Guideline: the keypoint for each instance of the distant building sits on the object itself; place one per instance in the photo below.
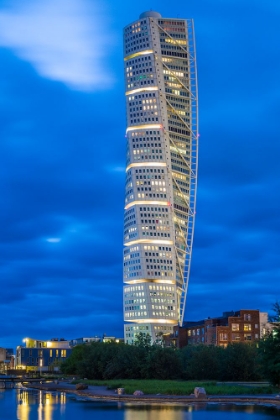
(84, 340)
(246, 325)
(7, 359)
(47, 355)
(39, 355)
(96, 339)
(265, 326)
(110, 339)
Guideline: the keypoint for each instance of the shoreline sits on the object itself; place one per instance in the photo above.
(101, 393)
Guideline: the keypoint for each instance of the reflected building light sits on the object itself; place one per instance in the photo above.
(23, 411)
(160, 413)
(63, 398)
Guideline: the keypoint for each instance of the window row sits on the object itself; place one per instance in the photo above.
(163, 235)
(135, 314)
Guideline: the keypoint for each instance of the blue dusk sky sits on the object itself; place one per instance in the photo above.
(62, 162)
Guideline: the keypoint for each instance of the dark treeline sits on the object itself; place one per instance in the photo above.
(237, 362)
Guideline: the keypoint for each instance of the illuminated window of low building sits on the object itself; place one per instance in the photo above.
(235, 327)
(235, 337)
(247, 327)
(223, 337)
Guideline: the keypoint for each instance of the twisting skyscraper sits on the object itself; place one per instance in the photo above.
(161, 171)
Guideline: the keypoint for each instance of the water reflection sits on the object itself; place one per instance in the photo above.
(200, 411)
(233, 408)
(26, 404)
(158, 412)
(45, 401)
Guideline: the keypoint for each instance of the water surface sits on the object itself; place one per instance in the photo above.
(22, 404)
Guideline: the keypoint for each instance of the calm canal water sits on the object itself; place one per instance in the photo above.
(38, 405)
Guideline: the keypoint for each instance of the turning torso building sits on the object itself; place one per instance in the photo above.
(161, 172)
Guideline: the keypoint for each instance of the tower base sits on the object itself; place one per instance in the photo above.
(156, 331)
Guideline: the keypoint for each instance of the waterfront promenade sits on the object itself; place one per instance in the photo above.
(102, 393)
(11, 381)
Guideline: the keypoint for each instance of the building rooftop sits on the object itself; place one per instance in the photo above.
(150, 13)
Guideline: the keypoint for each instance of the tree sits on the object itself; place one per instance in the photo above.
(143, 340)
(270, 349)
(239, 362)
(159, 339)
(70, 366)
(275, 319)
(162, 363)
(201, 361)
(126, 363)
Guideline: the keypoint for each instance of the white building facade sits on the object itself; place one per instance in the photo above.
(161, 172)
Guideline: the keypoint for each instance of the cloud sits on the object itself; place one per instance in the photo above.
(65, 40)
(120, 169)
(54, 160)
(62, 166)
(53, 240)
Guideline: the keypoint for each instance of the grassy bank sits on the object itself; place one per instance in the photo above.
(153, 386)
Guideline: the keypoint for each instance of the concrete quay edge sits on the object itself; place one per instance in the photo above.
(98, 393)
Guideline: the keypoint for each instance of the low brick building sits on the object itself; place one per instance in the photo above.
(232, 327)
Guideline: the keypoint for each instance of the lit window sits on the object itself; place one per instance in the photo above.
(235, 327)
(223, 337)
(247, 337)
(235, 337)
(247, 327)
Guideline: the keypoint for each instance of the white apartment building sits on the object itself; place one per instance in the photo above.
(161, 171)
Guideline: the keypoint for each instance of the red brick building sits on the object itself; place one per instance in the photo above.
(232, 327)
